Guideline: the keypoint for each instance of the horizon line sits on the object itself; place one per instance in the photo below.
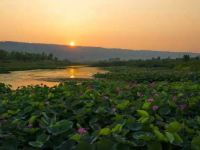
(62, 44)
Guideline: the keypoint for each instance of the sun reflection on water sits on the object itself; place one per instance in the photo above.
(48, 77)
(72, 73)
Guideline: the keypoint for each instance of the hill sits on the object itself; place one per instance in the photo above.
(82, 54)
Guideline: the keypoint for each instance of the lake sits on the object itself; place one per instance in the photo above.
(49, 77)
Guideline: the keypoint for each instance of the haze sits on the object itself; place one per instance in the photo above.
(172, 25)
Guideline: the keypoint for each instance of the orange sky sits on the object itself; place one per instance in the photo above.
(135, 24)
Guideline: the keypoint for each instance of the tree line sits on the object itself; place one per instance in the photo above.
(185, 61)
(26, 56)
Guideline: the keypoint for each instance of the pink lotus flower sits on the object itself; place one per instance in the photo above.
(82, 131)
(155, 107)
(150, 100)
(30, 126)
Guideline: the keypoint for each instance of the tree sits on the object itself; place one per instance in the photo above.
(186, 57)
(50, 56)
(3, 55)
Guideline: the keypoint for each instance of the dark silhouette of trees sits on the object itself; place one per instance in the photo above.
(186, 57)
(3, 54)
(25, 56)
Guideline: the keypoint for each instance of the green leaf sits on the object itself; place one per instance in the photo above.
(159, 135)
(177, 138)
(146, 105)
(76, 137)
(195, 144)
(43, 138)
(32, 119)
(105, 131)
(36, 144)
(170, 137)
(144, 116)
(40, 141)
(174, 127)
(60, 127)
(123, 105)
(66, 145)
(135, 126)
(146, 136)
(143, 119)
(117, 128)
(143, 113)
(164, 110)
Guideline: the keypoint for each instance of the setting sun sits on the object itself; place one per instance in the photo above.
(72, 43)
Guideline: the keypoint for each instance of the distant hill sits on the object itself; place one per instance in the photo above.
(81, 53)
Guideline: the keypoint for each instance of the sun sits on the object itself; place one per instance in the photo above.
(72, 44)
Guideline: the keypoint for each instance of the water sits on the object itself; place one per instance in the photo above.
(49, 77)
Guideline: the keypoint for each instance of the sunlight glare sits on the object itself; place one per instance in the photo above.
(72, 73)
(72, 43)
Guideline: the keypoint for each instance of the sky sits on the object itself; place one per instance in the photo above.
(172, 25)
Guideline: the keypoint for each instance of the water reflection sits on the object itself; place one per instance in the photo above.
(47, 77)
(72, 72)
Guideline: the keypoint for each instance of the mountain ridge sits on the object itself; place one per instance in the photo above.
(88, 53)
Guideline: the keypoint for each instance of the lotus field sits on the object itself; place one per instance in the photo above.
(104, 114)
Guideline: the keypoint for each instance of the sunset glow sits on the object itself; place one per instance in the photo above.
(135, 24)
(72, 43)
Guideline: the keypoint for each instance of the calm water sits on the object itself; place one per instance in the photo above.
(48, 77)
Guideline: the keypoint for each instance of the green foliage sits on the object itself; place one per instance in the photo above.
(25, 56)
(115, 113)
(196, 143)
(104, 131)
(16, 61)
(60, 127)
(174, 127)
